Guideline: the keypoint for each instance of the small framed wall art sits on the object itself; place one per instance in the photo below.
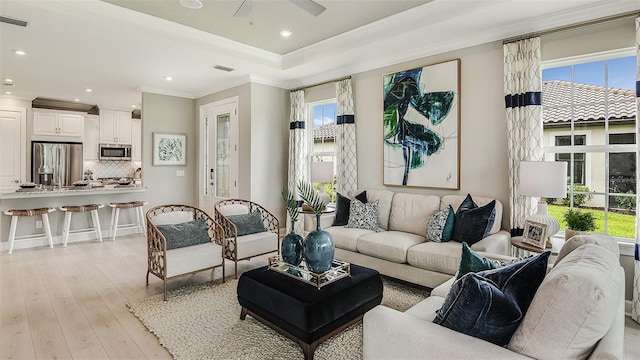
(169, 149)
(535, 233)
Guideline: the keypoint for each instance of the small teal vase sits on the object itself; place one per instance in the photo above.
(292, 247)
(318, 249)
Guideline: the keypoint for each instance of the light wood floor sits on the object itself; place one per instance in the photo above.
(71, 302)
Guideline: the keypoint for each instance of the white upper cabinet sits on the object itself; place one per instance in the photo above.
(54, 123)
(115, 127)
(136, 140)
(90, 141)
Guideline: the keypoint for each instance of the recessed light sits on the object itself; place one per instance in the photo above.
(168, 78)
(19, 52)
(191, 4)
(76, 100)
(8, 80)
(88, 90)
(8, 92)
(285, 33)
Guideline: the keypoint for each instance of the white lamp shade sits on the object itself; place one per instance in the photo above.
(322, 172)
(543, 179)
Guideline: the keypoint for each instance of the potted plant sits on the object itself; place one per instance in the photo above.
(292, 243)
(578, 222)
(318, 245)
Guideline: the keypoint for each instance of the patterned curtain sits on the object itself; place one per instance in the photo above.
(346, 159)
(635, 305)
(522, 88)
(297, 149)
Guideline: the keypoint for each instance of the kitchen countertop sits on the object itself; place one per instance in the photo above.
(71, 191)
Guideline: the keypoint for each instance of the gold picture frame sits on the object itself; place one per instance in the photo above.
(535, 233)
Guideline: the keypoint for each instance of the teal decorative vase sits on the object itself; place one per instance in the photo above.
(318, 249)
(292, 247)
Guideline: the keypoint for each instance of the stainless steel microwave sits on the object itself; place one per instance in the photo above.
(118, 152)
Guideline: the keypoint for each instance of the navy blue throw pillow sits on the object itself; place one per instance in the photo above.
(343, 204)
(185, 234)
(473, 223)
(491, 304)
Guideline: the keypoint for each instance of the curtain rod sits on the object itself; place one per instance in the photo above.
(322, 83)
(572, 27)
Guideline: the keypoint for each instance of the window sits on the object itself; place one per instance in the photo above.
(322, 121)
(589, 121)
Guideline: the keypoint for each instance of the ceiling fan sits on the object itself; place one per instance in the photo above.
(309, 6)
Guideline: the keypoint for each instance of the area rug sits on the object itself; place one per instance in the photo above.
(203, 322)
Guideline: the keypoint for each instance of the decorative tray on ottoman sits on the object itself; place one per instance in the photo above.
(339, 269)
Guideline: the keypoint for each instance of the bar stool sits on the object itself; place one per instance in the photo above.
(15, 214)
(115, 214)
(69, 210)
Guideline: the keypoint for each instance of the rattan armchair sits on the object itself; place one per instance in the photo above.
(245, 247)
(167, 264)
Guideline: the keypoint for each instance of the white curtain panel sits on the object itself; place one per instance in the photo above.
(297, 149)
(523, 96)
(346, 155)
(635, 306)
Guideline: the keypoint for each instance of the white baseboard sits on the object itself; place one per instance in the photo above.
(57, 239)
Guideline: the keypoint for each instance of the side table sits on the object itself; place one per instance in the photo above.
(518, 247)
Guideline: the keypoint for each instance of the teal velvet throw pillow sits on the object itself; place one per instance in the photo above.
(470, 261)
(246, 224)
(185, 234)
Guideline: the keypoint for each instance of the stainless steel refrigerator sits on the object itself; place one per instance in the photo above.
(55, 163)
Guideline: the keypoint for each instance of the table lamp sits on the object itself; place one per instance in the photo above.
(322, 172)
(544, 179)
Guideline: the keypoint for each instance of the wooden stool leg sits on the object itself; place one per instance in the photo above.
(96, 223)
(65, 228)
(12, 233)
(114, 222)
(47, 229)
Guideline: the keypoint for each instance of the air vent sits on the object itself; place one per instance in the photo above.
(8, 20)
(8, 84)
(223, 68)
(52, 104)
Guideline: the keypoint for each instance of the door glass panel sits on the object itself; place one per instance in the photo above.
(223, 161)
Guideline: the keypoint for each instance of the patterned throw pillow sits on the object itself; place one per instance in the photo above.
(363, 216)
(440, 225)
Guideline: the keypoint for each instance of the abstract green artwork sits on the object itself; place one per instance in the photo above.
(421, 121)
(169, 149)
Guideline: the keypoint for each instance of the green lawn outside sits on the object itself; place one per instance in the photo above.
(619, 225)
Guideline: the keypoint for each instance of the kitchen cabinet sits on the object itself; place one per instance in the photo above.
(115, 127)
(53, 123)
(136, 139)
(90, 141)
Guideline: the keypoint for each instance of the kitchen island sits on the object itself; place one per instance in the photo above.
(61, 196)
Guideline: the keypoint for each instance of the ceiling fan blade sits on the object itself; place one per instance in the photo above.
(245, 9)
(310, 6)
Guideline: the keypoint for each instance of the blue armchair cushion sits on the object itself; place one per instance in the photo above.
(246, 224)
(491, 304)
(185, 234)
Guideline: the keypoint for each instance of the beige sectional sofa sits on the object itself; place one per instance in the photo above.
(400, 249)
(576, 313)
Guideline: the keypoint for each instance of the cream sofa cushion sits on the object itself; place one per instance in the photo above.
(573, 308)
(347, 238)
(388, 245)
(456, 200)
(193, 258)
(411, 213)
(604, 240)
(439, 257)
(384, 198)
(258, 243)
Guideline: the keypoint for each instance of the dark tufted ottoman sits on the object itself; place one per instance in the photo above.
(302, 312)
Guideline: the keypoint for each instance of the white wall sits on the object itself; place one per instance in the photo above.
(172, 115)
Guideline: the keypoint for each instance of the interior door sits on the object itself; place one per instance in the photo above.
(13, 141)
(219, 165)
